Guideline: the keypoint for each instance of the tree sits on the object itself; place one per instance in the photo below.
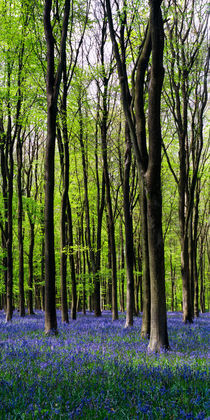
(53, 80)
(129, 248)
(186, 97)
(149, 165)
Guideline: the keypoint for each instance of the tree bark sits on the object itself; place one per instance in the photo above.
(52, 86)
(109, 206)
(146, 316)
(148, 166)
(64, 157)
(129, 250)
(9, 290)
(31, 268)
(158, 332)
(20, 227)
(72, 263)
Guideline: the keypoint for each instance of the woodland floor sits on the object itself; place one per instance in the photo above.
(96, 369)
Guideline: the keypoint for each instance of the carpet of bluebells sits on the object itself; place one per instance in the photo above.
(96, 369)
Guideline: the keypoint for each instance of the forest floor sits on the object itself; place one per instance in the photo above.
(96, 369)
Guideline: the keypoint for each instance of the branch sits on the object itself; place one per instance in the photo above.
(169, 163)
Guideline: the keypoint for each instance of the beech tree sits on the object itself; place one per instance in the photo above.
(186, 97)
(104, 191)
(53, 79)
(148, 163)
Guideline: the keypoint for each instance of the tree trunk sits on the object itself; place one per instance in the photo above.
(146, 316)
(172, 282)
(42, 262)
(109, 202)
(186, 295)
(202, 286)
(64, 157)
(96, 276)
(9, 290)
(195, 245)
(111, 230)
(4, 227)
(52, 86)
(72, 264)
(148, 166)
(20, 227)
(129, 250)
(31, 268)
(122, 268)
(158, 331)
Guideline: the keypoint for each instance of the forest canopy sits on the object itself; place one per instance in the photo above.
(104, 184)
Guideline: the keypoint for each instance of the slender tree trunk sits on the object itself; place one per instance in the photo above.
(146, 297)
(191, 263)
(31, 269)
(84, 285)
(42, 262)
(4, 227)
(109, 279)
(72, 264)
(64, 306)
(65, 175)
(9, 290)
(172, 282)
(122, 268)
(100, 211)
(138, 292)
(202, 286)
(129, 250)
(186, 295)
(20, 228)
(195, 245)
(96, 277)
(109, 203)
(83, 268)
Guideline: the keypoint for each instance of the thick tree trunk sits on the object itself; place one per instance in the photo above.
(148, 166)
(53, 86)
(158, 331)
(50, 304)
